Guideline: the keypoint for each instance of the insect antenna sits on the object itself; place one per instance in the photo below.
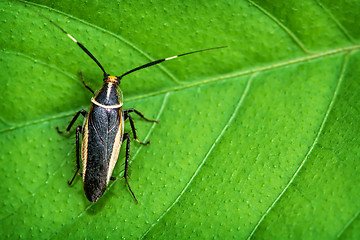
(78, 43)
(166, 59)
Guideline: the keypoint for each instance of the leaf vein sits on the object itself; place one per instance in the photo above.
(164, 69)
(250, 71)
(37, 121)
(310, 149)
(347, 225)
(287, 30)
(210, 80)
(40, 62)
(241, 100)
(337, 22)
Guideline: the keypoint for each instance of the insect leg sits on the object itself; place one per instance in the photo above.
(126, 115)
(138, 113)
(127, 137)
(82, 112)
(82, 79)
(78, 131)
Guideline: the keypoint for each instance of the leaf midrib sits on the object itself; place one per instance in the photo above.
(317, 136)
(197, 83)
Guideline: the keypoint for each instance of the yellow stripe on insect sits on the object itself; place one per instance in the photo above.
(105, 106)
(71, 37)
(170, 58)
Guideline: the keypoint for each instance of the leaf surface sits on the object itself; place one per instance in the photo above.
(257, 140)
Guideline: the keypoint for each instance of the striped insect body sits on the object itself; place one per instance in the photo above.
(103, 132)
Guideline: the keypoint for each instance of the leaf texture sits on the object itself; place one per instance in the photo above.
(259, 140)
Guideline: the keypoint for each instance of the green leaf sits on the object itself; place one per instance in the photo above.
(257, 140)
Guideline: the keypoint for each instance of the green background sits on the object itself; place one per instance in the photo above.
(258, 140)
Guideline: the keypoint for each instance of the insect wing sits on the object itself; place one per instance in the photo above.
(102, 140)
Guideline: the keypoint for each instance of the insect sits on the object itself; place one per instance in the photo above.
(102, 132)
